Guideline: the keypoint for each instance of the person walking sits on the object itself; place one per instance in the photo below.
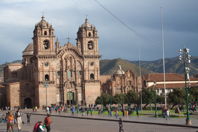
(116, 113)
(137, 111)
(48, 122)
(167, 114)
(47, 109)
(28, 115)
(72, 109)
(18, 120)
(10, 122)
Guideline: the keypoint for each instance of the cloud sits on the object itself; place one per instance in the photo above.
(18, 18)
(21, 1)
(15, 17)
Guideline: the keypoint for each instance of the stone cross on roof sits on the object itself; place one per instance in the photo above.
(120, 67)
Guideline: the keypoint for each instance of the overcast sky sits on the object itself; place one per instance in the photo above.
(141, 38)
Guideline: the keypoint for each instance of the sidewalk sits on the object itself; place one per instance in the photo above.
(180, 122)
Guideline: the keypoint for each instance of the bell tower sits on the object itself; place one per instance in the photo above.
(43, 38)
(87, 43)
(87, 39)
(45, 63)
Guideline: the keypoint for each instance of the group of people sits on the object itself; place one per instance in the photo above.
(40, 126)
(12, 119)
(74, 109)
(15, 120)
(88, 110)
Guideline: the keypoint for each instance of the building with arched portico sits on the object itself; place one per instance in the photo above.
(55, 74)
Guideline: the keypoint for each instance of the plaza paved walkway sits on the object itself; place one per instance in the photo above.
(144, 119)
(64, 123)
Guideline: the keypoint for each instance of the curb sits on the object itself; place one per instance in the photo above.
(117, 120)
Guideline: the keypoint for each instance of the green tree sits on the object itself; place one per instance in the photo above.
(148, 96)
(177, 97)
(194, 94)
(104, 99)
(131, 97)
(160, 99)
(119, 99)
(98, 100)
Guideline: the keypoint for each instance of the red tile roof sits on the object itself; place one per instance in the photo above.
(168, 77)
(180, 85)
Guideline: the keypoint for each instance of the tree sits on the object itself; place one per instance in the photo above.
(119, 99)
(131, 97)
(98, 100)
(177, 97)
(104, 99)
(148, 96)
(160, 99)
(194, 94)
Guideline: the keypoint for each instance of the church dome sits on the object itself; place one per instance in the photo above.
(28, 50)
(86, 24)
(120, 71)
(43, 23)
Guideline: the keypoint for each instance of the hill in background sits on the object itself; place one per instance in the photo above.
(172, 65)
(110, 66)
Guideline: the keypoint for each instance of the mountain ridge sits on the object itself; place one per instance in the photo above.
(110, 66)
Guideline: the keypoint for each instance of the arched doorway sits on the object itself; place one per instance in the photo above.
(71, 98)
(28, 102)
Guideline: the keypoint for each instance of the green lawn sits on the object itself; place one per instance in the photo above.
(143, 113)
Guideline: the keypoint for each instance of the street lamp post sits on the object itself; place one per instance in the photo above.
(46, 85)
(185, 58)
(63, 93)
(154, 85)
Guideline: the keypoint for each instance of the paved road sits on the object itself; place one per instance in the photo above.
(62, 124)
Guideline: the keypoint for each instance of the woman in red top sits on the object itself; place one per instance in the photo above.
(48, 122)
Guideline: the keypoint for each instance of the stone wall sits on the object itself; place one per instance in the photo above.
(13, 94)
(92, 91)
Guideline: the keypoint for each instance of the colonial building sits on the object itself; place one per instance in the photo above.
(55, 74)
(119, 82)
(122, 82)
(172, 81)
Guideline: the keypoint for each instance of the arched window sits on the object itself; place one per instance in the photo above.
(89, 34)
(31, 60)
(90, 45)
(69, 73)
(47, 77)
(92, 76)
(45, 32)
(92, 63)
(46, 44)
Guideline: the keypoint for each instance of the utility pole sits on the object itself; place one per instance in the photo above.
(185, 58)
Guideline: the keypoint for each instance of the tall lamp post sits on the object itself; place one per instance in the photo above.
(46, 85)
(185, 58)
(154, 88)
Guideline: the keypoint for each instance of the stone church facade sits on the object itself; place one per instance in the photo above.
(54, 74)
(119, 82)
